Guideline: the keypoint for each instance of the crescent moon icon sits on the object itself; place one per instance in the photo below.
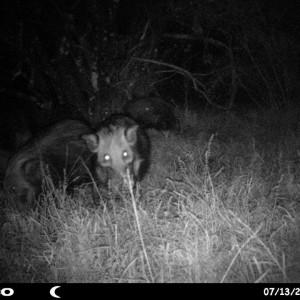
(52, 291)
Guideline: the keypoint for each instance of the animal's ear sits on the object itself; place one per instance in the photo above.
(92, 141)
(131, 134)
(32, 170)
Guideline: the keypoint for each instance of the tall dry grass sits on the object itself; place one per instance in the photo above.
(220, 204)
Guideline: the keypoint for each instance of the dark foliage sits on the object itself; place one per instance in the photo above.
(20, 118)
(152, 112)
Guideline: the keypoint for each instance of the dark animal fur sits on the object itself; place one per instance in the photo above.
(120, 145)
(58, 150)
(152, 112)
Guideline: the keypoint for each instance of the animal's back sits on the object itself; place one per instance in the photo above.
(59, 147)
(153, 112)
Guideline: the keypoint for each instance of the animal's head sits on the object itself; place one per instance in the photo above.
(115, 149)
(22, 180)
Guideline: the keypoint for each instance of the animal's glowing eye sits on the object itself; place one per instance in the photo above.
(125, 154)
(106, 157)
